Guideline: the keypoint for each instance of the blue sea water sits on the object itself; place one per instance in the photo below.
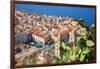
(88, 14)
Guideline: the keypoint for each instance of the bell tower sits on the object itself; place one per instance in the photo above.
(57, 44)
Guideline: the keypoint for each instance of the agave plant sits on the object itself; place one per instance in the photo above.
(67, 54)
(81, 52)
(84, 48)
(78, 54)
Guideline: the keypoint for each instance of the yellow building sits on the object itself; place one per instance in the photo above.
(41, 38)
(57, 39)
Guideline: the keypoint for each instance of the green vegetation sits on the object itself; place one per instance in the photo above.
(30, 60)
(82, 52)
(92, 28)
(81, 21)
(69, 54)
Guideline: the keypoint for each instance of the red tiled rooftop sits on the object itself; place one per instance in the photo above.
(40, 34)
(43, 35)
(76, 25)
(63, 32)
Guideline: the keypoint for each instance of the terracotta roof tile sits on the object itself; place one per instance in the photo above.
(65, 31)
